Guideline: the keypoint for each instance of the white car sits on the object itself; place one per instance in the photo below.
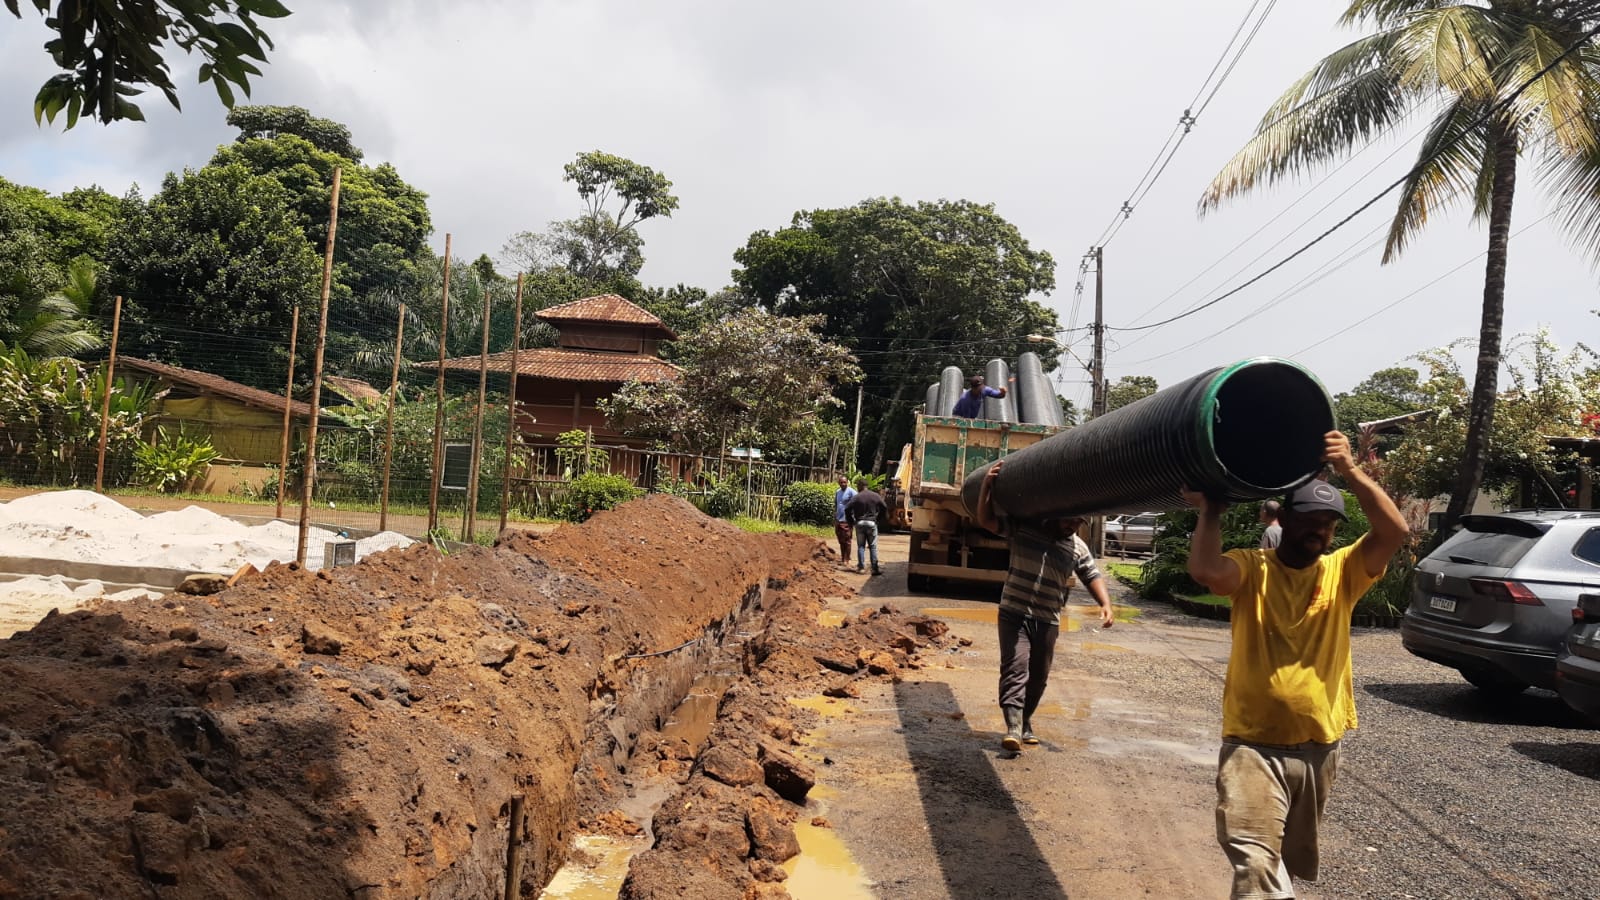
(1131, 533)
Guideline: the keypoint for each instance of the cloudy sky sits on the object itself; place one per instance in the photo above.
(1051, 111)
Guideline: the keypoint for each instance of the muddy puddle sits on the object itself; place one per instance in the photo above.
(823, 706)
(596, 869)
(825, 869)
(694, 716)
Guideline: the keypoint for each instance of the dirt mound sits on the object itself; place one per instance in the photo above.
(356, 731)
(360, 731)
(727, 831)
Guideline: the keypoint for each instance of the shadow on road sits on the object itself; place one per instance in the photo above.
(1464, 703)
(984, 847)
(1579, 759)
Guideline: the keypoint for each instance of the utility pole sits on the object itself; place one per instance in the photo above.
(1097, 371)
(1097, 366)
(855, 436)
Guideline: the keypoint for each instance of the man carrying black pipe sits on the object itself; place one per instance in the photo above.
(1288, 699)
(1044, 557)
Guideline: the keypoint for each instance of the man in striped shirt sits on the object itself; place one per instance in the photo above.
(1044, 557)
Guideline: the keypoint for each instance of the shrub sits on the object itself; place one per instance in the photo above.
(171, 463)
(808, 503)
(726, 498)
(593, 491)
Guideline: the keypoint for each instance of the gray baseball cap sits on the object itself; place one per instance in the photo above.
(1316, 496)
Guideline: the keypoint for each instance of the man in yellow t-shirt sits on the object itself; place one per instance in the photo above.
(1288, 697)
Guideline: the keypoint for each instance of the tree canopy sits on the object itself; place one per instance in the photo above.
(218, 252)
(1384, 394)
(911, 288)
(112, 50)
(752, 379)
(1129, 388)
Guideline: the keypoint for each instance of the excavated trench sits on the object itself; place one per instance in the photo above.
(361, 732)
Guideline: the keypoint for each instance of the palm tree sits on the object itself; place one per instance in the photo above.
(1500, 79)
(57, 324)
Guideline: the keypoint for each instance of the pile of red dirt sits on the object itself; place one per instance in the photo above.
(360, 731)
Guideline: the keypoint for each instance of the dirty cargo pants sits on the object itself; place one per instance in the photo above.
(1027, 648)
(842, 531)
(1269, 803)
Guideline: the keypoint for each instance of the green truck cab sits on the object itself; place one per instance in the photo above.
(945, 542)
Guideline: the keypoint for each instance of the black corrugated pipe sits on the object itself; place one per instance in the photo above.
(997, 375)
(1243, 432)
(950, 388)
(1036, 392)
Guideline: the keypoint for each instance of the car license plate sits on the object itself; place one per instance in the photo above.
(1443, 604)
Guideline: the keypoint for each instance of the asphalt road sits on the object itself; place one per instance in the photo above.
(1441, 793)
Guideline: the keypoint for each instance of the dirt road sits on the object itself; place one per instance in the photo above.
(1441, 793)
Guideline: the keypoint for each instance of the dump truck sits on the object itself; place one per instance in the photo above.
(946, 543)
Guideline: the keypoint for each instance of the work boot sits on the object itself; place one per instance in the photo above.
(860, 569)
(1028, 737)
(1013, 739)
(876, 571)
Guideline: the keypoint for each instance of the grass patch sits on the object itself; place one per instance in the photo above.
(1208, 600)
(1127, 573)
(763, 526)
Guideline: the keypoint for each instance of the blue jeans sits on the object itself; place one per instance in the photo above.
(866, 537)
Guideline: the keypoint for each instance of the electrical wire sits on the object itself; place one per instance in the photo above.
(1493, 110)
(1187, 120)
(1392, 304)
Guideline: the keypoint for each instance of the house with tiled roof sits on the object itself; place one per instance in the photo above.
(603, 343)
(244, 424)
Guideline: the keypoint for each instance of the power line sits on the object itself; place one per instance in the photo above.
(1189, 118)
(1484, 117)
(1391, 305)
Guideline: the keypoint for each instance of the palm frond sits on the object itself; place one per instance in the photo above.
(1451, 48)
(1573, 182)
(1386, 13)
(1312, 134)
(1564, 100)
(1355, 58)
(1448, 163)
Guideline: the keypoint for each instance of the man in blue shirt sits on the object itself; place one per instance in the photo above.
(970, 406)
(841, 522)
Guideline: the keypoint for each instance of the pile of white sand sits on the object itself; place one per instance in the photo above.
(24, 601)
(83, 526)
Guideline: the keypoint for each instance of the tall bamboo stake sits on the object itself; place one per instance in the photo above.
(511, 404)
(438, 408)
(288, 406)
(316, 376)
(477, 424)
(105, 402)
(388, 427)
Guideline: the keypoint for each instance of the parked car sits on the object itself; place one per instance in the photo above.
(1578, 662)
(1495, 601)
(1134, 533)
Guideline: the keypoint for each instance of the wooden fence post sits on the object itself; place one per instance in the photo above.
(288, 405)
(477, 426)
(438, 409)
(105, 402)
(388, 428)
(511, 403)
(316, 376)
